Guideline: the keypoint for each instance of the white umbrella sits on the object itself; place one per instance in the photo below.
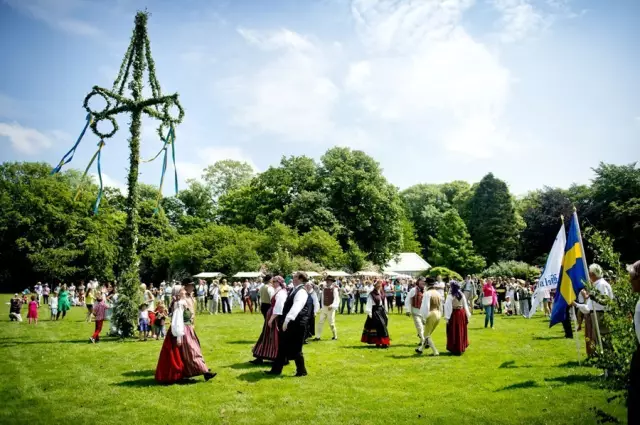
(248, 274)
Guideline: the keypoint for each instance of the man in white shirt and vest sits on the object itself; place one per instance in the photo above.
(412, 305)
(293, 323)
(330, 301)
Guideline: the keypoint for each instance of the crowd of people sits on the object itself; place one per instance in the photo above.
(425, 300)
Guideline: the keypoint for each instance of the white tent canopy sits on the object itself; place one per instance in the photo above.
(207, 275)
(407, 263)
(368, 274)
(312, 274)
(336, 273)
(250, 275)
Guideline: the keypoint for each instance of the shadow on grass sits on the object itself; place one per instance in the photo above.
(547, 338)
(570, 364)
(151, 382)
(12, 343)
(572, 379)
(257, 376)
(247, 365)
(240, 342)
(519, 386)
(511, 364)
(148, 372)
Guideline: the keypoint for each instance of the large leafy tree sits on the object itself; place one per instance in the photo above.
(616, 206)
(424, 206)
(452, 246)
(541, 211)
(364, 203)
(493, 222)
(321, 247)
(225, 176)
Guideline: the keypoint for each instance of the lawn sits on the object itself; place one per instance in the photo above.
(520, 373)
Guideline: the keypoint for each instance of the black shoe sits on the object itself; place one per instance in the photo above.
(299, 374)
(273, 372)
(335, 338)
(209, 375)
(419, 351)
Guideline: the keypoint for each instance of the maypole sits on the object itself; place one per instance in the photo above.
(138, 57)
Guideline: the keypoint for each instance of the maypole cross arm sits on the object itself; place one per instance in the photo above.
(161, 111)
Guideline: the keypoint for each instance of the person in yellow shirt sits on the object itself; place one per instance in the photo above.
(225, 290)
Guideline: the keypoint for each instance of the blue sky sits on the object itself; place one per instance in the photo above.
(536, 91)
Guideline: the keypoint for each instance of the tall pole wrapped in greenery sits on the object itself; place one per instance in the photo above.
(137, 59)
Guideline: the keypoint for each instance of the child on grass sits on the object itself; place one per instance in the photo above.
(143, 321)
(33, 310)
(53, 305)
(99, 311)
(158, 323)
(508, 306)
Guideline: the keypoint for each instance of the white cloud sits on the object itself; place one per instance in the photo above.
(57, 14)
(291, 96)
(428, 76)
(275, 40)
(520, 18)
(29, 140)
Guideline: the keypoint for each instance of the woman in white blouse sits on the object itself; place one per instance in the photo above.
(633, 399)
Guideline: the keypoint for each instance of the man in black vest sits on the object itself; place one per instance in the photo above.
(293, 322)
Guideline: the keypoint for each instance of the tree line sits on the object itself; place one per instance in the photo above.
(339, 212)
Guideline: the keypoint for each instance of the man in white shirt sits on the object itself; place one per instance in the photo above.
(594, 310)
(469, 291)
(330, 300)
(293, 322)
(440, 287)
(633, 398)
(412, 305)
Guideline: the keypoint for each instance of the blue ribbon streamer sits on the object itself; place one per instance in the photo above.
(99, 198)
(173, 154)
(66, 158)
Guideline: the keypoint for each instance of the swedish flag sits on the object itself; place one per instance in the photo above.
(574, 273)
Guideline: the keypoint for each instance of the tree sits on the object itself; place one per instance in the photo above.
(322, 248)
(493, 223)
(409, 239)
(225, 176)
(458, 193)
(616, 206)
(452, 246)
(541, 211)
(355, 258)
(424, 205)
(197, 202)
(364, 203)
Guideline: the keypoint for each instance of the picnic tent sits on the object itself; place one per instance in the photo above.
(208, 275)
(336, 273)
(368, 274)
(407, 263)
(248, 275)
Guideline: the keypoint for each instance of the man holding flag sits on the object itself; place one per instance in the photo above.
(573, 277)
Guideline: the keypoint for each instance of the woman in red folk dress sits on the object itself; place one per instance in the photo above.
(457, 314)
(267, 346)
(181, 355)
(375, 327)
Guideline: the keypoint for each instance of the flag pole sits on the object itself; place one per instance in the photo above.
(574, 316)
(593, 314)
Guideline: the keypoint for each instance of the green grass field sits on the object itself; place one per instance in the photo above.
(520, 373)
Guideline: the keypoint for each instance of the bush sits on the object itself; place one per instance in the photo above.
(444, 272)
(517, 269)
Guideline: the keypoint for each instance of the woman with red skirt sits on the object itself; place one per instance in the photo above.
(181, 355)
(267, 346)
(457, 314)
(375, 327)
